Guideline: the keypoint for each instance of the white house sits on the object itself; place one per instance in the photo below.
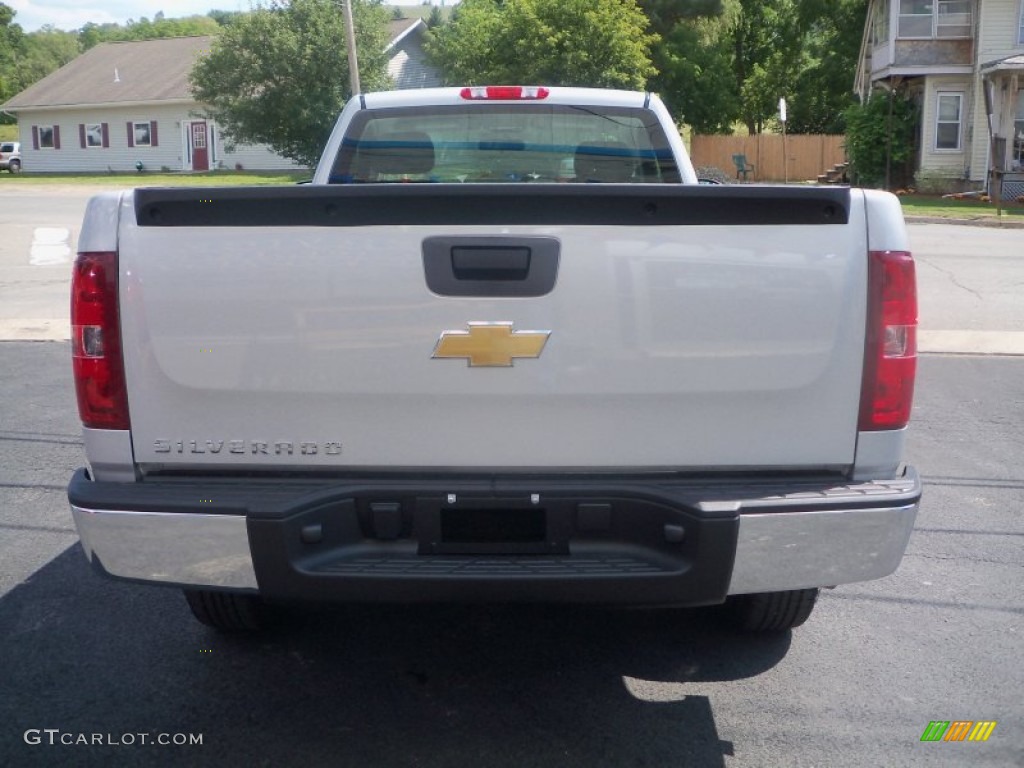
(407, 62)
(963, 62)
(122, 104)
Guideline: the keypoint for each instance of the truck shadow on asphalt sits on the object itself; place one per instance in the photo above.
(360, 685)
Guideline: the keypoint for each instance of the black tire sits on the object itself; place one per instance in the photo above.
(227, 611)
(14, 166)
(771, 611)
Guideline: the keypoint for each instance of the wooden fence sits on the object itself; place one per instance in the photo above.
(808, 156)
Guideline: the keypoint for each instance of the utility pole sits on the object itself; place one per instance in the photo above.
(350, 43)
(782, 119)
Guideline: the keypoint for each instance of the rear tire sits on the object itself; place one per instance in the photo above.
(227, 611)
(771, 611)
(14, 166)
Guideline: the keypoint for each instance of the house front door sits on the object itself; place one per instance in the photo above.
(200, 151)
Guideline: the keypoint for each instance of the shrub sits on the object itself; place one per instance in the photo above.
(874, 135)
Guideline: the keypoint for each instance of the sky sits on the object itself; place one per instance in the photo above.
(72, 14)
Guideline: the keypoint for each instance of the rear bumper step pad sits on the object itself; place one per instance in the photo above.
(647, 540)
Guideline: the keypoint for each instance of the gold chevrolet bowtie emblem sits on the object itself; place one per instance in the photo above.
(490, 344)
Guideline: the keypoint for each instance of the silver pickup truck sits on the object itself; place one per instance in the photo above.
(503, 348)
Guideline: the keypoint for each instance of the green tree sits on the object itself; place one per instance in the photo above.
(880, 139)
(768, 55)
(91, 34)
(436, 18)
(664, 15)
(11, 49)
(26, 58)
(555, 42)
(695, 75)
(44, 51)
(824, 88)
(805, 50)
(144, 29)
(279, 75)
(224, 18)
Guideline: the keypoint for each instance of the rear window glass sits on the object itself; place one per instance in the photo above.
(507, 143)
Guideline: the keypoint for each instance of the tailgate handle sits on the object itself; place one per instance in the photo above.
(491, 266)
(477, 262)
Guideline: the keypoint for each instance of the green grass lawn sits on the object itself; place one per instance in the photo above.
(147, 179)
(933, 205)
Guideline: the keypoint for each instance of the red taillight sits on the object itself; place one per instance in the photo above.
(890, 360)
(505, 92)
(96, 343)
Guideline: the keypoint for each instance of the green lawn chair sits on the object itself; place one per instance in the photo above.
(742, 166)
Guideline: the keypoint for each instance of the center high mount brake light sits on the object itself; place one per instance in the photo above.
(505, 93)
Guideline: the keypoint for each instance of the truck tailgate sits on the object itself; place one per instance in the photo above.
(689, 328)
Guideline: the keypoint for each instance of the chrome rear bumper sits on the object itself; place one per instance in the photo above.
(784, 541)
(169, 548)
(796, 550)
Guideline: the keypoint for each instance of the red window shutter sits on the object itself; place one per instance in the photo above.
(152, 133)
(35, 137)
(56, 137)
(81, 135)
(106, 135)
(131, 135)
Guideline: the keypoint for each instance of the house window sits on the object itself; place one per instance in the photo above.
(928, 19)
(915, 18)
(142, 134)
(880, 24)
(143, 137)
(954, 19)
(947, 121)
(46, 137)
(1020, 27)
(94, 135)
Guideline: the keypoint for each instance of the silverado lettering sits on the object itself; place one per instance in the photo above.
(246, 447)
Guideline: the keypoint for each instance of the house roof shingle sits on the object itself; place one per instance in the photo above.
(122, 72)
(138, 71)
(399, 28)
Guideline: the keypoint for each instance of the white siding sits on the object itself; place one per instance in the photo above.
(71, 158)
(1000, 22)
(251, 157)
(408, 65)
(978, 157)
(998, 39)
(943, 162)
(119, 156)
